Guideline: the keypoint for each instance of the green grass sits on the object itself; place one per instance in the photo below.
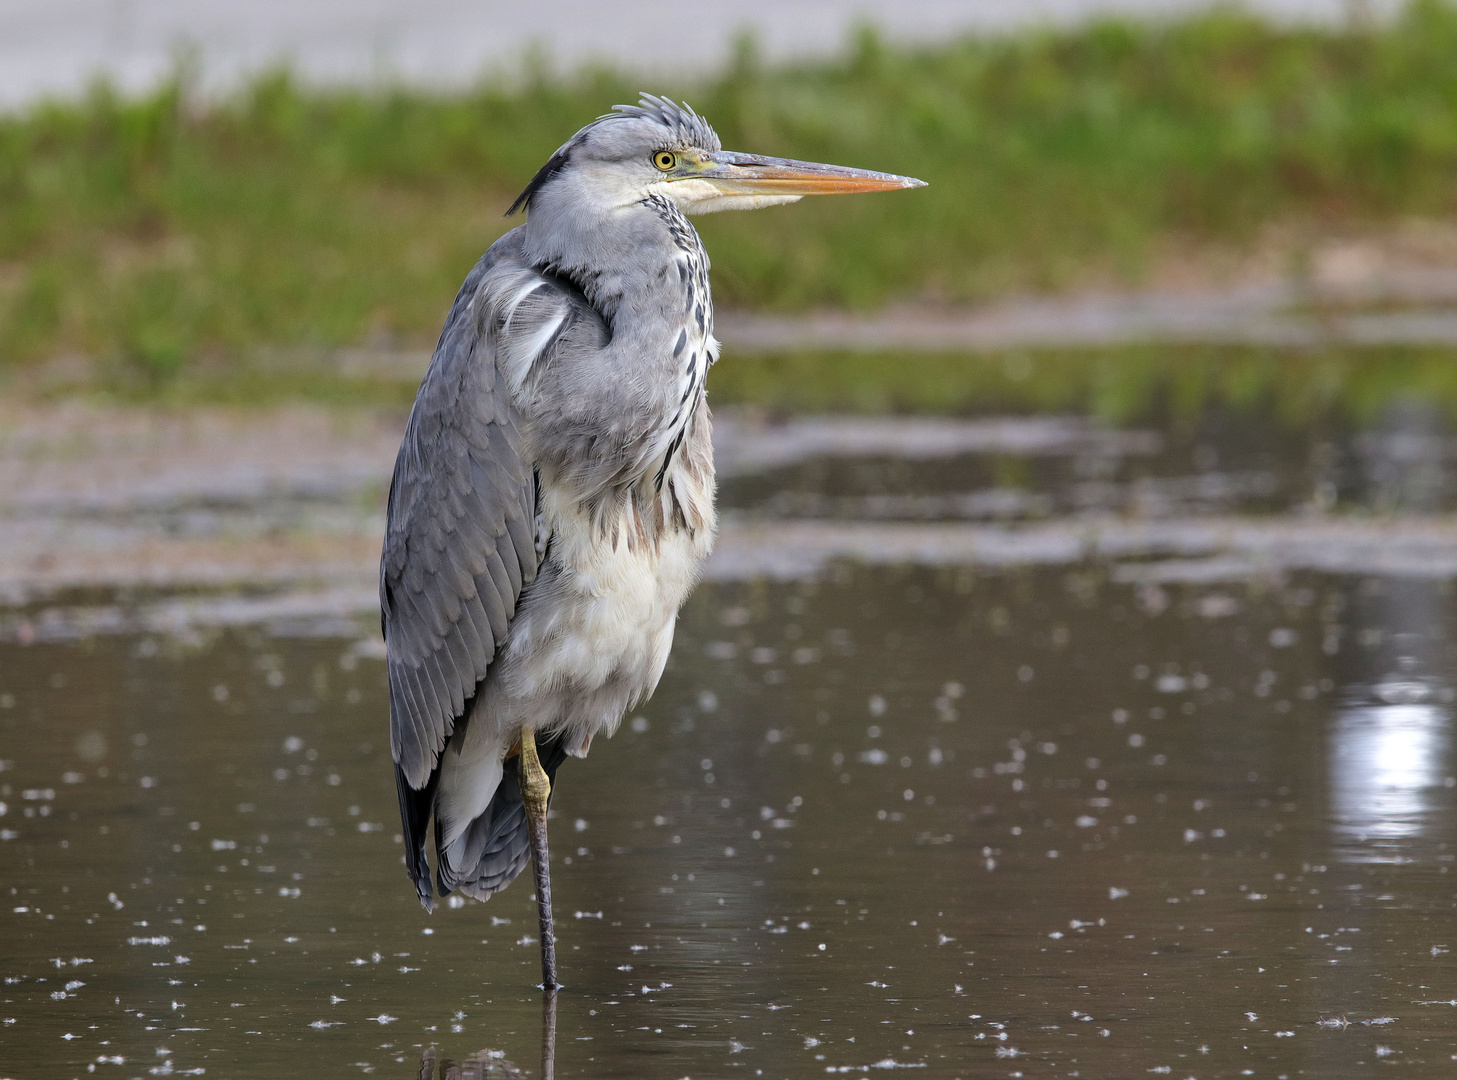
(159, 234)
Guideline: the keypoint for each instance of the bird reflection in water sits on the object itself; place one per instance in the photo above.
(491, 1064)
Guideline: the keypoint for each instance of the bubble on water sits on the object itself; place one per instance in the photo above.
(1217, 606)
(91, 747)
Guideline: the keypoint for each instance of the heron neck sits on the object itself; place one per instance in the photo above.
(619, 256)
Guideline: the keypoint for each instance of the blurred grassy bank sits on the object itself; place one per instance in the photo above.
(161, 236)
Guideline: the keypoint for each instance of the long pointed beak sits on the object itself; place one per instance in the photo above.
(751, 174)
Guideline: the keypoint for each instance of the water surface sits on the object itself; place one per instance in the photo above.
(974, 821)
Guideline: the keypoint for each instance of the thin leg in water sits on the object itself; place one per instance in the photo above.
(535, 790)
(548, 1035)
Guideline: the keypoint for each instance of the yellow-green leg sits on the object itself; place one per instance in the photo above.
(535, 790)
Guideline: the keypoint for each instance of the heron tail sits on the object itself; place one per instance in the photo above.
(495, 846)
(415, 808)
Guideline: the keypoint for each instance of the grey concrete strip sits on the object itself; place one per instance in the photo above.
(74, 459)
(744, 443)
(1190, 549)
(55, 47)
(36, 562)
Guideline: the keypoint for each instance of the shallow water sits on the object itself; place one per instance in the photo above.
(1033, 822)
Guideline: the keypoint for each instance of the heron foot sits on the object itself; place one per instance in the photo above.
(535, 792)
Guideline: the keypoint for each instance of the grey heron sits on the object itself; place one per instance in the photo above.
(553, 498)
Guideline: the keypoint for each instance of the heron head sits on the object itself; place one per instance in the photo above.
(660, 147)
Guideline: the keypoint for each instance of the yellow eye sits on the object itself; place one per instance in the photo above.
(665, 159)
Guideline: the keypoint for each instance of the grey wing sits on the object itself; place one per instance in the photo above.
(460, 542)
(460, 539)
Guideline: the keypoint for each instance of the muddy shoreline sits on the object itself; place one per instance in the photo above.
(224, 516)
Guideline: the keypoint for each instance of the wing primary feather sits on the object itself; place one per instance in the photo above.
(479, 652)
(428, 714)
(491, 586)
(435, 679)
(416, 806)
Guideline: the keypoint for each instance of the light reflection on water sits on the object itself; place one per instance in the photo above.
(1387, 761)
(1389, 752)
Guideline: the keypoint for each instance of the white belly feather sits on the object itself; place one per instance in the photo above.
(589, 641)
